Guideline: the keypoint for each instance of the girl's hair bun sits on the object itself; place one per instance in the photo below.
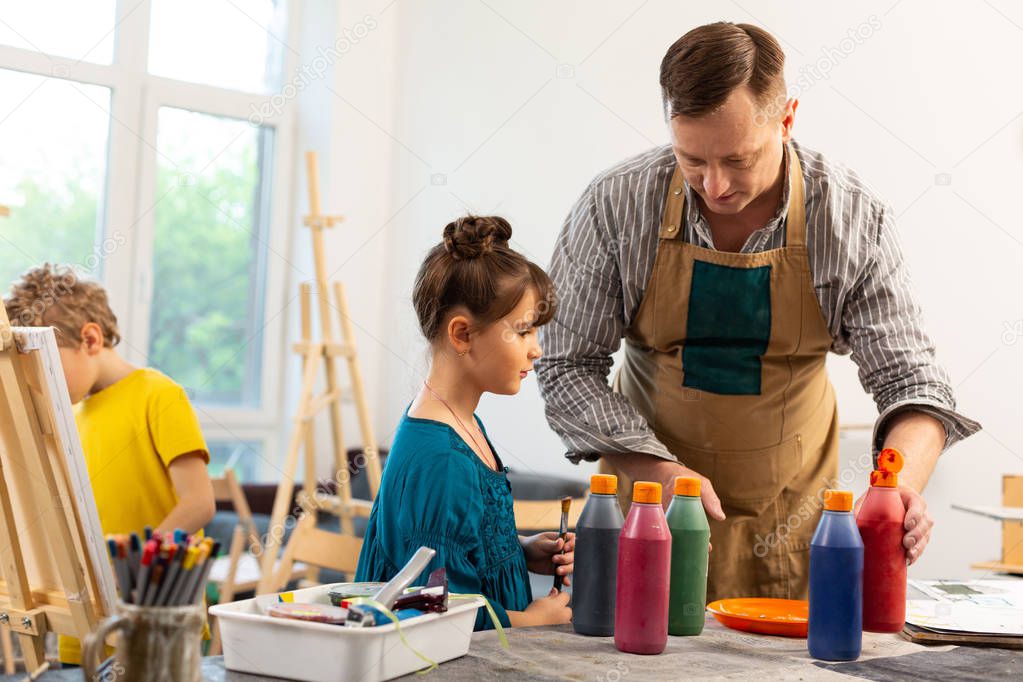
(475, 236)
(474, 270)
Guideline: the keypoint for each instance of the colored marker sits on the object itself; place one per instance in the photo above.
(202, 551)
(154, 582)
(201, 587)
(184, 577)
(119, 569)
(159, 570)
(134, 550)
(173, 568)
(123, 561)
(145, 567)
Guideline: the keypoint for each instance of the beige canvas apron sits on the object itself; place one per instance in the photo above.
(725, 360)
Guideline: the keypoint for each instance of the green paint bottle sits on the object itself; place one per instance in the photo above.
(690, 535)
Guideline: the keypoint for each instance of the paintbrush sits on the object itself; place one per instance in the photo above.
(566, 503)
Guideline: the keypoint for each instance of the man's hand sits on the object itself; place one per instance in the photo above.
(918, 523)
(640, 467)
(920, 438)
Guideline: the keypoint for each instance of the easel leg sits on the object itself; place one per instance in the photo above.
(287, 484)
(343, 474)
(305, 299)
(309, 488)
(8, 647)
(369, 440)
(32, 651)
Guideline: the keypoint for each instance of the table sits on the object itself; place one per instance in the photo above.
(556, 653)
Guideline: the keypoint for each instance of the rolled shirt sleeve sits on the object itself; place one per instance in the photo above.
(578, 343)
(882, 328)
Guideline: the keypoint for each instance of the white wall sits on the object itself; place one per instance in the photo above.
(511, 107)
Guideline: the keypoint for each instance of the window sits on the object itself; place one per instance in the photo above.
(131, 150)
(53, 172)
(207, 316)
(187, 39)
(80, 30)
(244, 456)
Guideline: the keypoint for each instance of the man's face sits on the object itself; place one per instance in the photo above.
(732, 155)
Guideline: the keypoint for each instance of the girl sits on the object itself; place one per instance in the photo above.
(479, 304)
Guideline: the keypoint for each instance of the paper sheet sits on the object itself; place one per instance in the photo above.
(990, 607)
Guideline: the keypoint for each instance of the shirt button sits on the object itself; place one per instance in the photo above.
(672, 228)
(678, 190)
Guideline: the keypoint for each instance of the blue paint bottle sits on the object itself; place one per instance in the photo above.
(836, 583)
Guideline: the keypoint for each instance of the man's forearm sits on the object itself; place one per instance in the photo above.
(920, 438)
(637, 464)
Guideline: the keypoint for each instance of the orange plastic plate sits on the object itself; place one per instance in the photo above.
(782, 617)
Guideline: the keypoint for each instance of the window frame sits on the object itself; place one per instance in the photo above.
(136, 97)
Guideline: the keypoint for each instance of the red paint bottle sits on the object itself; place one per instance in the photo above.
(644, 570)
(881, 522)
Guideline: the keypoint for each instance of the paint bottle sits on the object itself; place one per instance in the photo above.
(596, 559)
(690, 535)
(881, 519)
(644, 567)
(836, 582)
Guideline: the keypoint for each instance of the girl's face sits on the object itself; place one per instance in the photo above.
(503, 353)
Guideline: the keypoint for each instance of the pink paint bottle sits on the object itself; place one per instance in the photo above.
(644, 568)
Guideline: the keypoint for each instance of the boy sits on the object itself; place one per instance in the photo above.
(143, 447)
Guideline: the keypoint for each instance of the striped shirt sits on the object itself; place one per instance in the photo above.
(604, 258)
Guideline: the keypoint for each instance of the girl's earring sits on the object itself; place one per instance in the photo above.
(462, 354)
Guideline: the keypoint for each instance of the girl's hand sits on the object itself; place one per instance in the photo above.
(550, 610)
(543, 554)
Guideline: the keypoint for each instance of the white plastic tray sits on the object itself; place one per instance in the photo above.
(316, 652)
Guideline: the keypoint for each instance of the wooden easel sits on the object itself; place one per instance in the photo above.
(56, 574)
(316, 352)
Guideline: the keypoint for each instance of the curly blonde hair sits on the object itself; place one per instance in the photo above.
(54, 296)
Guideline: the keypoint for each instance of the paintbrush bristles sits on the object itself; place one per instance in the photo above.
(566, 504)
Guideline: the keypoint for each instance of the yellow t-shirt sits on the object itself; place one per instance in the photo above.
(131, 431)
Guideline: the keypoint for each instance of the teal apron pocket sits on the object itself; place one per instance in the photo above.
(728, 329)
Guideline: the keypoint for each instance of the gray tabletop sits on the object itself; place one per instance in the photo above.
(557, 653)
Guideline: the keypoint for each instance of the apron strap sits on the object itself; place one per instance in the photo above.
(795, 219)
(673, 220)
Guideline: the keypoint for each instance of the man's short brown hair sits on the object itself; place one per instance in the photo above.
(54, 296)
(703, 67)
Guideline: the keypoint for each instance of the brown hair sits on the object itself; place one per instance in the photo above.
(702, 68)
(54, 296)
(473, 267)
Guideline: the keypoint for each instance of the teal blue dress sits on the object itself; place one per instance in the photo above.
(436, 492)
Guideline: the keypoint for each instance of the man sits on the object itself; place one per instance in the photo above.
(731, 261)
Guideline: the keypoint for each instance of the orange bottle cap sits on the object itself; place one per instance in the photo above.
(645, 492)
(688, 486)
(838, 500)
(890, 460)
(603, 484)
(884, 479)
